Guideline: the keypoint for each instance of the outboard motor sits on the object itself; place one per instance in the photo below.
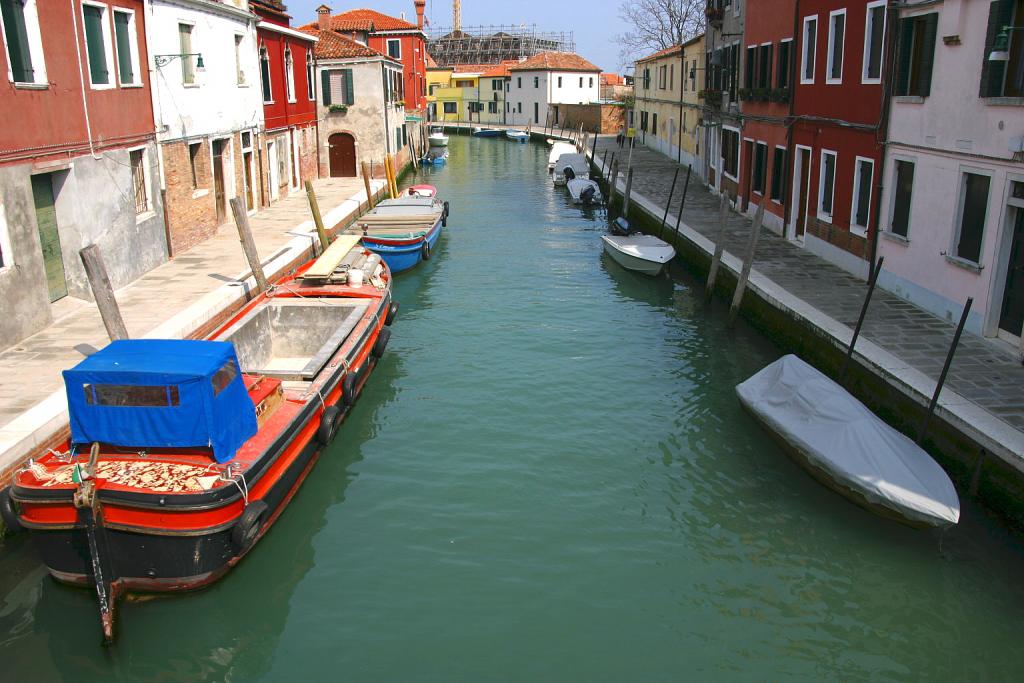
(621, 226)
(569, 173)
(587, 196)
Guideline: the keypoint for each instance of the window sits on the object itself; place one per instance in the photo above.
(973, 209)
(268, 95)
(289, 74)
(22, 40)
(810, 40)
(128, 72)
(520, 105)
(520, 82)
(188, 73)
(97, 44)
(137, 159)
(193, 161)
(903, 189)
(337, 87)
(730, 152)
(874, 42)
(785, 63)
(647, 78)
(496, 84)
(826, 185)
(581, 81)
(662, 78)
(836, 46)
(536, 81)
(224, 377)
(654, 123)
(693, 75)
(592, 79)
(239, 72)
(451, 108)
(395, 48)
(916, 54)
(1004, 79)
(751, 70)
(492, 107)
(130, 395)
(733, 70)
(464, 83)
(779, 174)
(559, 81)
(536, 112)
(863, 175)
(310, 80)
(760, 167)
(764, 66)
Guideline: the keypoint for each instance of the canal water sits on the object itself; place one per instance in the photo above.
(549, 478)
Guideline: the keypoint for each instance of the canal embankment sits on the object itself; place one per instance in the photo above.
(810, 307)
(185, 297)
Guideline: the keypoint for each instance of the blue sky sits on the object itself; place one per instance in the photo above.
(594, 23)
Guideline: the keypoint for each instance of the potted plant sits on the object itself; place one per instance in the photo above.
(744, 94)
(780, 95)
(760, 94)
(714, 13)
(338, 108)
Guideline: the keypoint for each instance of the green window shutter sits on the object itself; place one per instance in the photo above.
(1000, 14)
(122, 29)
(13, 12)
(98, 72)
(905, 55)
(325, 87)
(349, 92)
(931, 24)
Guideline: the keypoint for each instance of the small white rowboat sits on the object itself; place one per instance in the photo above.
(642, 253)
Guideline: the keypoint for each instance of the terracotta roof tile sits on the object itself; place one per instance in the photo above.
(661, 53)
(366, 20)
(555, 61)
(499, 70)
(336, 46)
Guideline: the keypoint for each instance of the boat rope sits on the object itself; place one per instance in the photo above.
(229, 474)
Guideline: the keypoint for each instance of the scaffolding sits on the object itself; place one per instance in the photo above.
(494, 44)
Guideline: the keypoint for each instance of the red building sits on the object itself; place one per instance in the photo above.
(78, 162)
(389, 36)
(288, 79)
(765, 96)
(836, 155)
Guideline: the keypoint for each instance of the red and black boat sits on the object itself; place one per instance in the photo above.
(183, 453)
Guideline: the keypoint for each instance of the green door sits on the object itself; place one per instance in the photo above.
(49, 239)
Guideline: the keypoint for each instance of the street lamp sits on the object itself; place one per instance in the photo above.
(1001, 48)
(164, 60)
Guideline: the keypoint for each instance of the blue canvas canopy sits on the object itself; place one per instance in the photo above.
(153, 393)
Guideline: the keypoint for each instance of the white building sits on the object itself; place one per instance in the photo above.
(952, 207)
(208, 108)
(550, 78)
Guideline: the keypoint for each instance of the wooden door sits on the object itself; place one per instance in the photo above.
(1011, 318)
(342, 155)
(250, 199)
(49, 236)
(218, 180)
(805, 179)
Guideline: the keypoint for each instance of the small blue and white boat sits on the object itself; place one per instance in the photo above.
(403, 231)
(518, 135)
(486, 132)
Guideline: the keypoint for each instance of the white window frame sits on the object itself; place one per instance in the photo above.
(133, 45)
(822, 216)
(958, 217)
(195, 70)
(855, 227)
(108, 47)
(867, 43)
(289, 75)
(387, 47)
(241, 78)
(768, 186)
(310, 75)
(145, 215)
(5, 243)
(753, 163)
(739, 154)
(260, 52)
(35, 48)
(714, 145)
(803, 53)
(775, 60)
(891, 208)
(829, 79)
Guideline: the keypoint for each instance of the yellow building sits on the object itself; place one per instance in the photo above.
(468, 92)
(667, 110)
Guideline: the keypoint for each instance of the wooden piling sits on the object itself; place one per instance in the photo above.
(248, 244)
(716, 260)
(366, 184)
(682, 203)
(593, 148)
(668, 204)
(613, 178)
(314, 208)
(629, 192)
(748, 262)
(103, 292)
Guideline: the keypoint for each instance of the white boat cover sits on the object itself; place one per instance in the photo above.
(644, 247)
(837, 434)
(577, 186)
(557, 150)
(577, 162)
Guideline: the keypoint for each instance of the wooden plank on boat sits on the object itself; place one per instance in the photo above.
(397, 220)
(329, 260)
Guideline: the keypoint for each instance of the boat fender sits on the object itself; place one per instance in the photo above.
(328, 424)
(444, 215)
(392, 313)
(348, 388)
(247, 528)
(382, 342)
(9, 513)
(425, 251)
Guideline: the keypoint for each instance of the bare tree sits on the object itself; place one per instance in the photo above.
(658, 24)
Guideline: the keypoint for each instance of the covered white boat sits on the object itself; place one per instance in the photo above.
(642, 253)
(557, 150)
(570, 166)
(847, 447)
(584, 191)
(518, 135)
(437, 138)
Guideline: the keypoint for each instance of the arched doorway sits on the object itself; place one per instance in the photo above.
(342, 155)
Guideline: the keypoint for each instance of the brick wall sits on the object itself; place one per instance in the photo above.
(596, 118)
(190, 211)
(838, 237)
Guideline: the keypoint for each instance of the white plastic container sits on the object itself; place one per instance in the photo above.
(355, 278)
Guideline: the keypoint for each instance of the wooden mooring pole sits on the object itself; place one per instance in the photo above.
(593, 148)
(945, 371)
(612, 180)
(314, 208)
(860, 320)
(366, 183)
(748, 263)
(716, 260)
(629, 192)
(103, 292)
(672, 191)
(248, 244)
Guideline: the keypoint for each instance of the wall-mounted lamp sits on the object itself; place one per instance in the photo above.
(1001, 48)
(164, 60)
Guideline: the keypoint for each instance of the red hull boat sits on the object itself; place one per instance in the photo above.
(130, 504)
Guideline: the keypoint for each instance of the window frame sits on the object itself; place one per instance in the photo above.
(855, 227)
(108, 48)
(864, 78)
(822, 216)
(242, 81)
(191, 37)
(830, 55)
(953, 252)
(310, 76)
(266, 81)
(35, 49)
(739, 153)
(6, 255)
(779, 174)
(150, 211)
(787, 72)
(454, 110)
(387, 47)
(897, 159)
(133, 47)
(804, 44)
(289, 75)
(764, 169)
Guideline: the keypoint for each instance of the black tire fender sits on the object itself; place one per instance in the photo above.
(247, 527)
(9, 513)
(425, 251)
(382, 342)
(348, 389)
(392, 313)
(444, 215)
(328, 424)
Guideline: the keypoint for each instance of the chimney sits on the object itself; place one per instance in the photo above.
(421, 6)
(323, 18)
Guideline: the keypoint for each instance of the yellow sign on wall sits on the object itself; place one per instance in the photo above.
(631, 133)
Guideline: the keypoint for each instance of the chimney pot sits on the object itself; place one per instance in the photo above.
(323, 17)
(421, 6)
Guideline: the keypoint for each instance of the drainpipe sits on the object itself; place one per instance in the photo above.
(891, 33)
(81, 75)
(787, 211)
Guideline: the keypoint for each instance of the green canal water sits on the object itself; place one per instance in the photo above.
(548, 478)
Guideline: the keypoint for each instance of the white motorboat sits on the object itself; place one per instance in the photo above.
(584, 191)
(557, 150)
(848, 448)
(517, 135)
(570, 166)
(437, 138)
(643, 253)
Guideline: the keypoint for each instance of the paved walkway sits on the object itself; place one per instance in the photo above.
(984, 371)
(172, 300)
